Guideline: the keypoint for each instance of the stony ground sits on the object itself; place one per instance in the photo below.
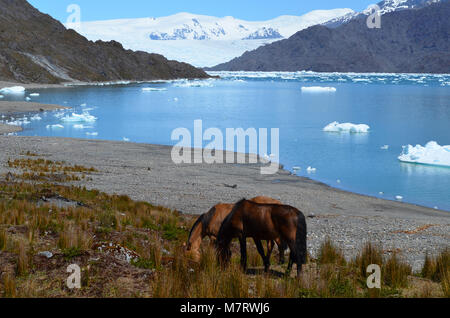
(146, 172)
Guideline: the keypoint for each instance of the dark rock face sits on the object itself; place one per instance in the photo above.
(36, 48)
(409, 41)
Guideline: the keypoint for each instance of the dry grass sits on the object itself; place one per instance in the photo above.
(86, 219)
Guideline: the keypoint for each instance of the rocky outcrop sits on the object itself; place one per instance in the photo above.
(35, 48)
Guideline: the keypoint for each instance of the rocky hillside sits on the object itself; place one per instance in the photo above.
(36, 48)
(409, 41)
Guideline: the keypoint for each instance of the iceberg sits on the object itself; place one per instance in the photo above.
(34, 94)
(57, 126)
(36, 117)
(194, 84)
(13, 90)
(311, 170)
(81, 126)
(318, 89)
(347, 127)
(78, 118)
(153, 89)
(431, 154)
(92, 133)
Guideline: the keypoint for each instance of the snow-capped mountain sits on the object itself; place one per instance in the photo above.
(202, 40)
(386, 6)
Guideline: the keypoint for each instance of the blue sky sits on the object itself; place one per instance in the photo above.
(243, 9)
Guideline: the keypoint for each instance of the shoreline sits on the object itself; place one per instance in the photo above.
(145, 172)
(8, 108)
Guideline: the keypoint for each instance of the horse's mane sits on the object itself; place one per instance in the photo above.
(200, 219)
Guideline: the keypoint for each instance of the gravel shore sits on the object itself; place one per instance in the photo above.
(146, 172)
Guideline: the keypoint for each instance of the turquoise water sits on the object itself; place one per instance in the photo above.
(400, 109)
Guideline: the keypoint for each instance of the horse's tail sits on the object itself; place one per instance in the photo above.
(301, 239)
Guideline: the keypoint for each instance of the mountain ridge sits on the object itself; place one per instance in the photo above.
(409, 41)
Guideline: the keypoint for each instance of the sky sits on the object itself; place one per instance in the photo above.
(253, 10)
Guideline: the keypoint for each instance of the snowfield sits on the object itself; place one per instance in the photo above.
(431, 154)
(199, 39)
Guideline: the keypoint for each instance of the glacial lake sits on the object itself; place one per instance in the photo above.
(400, 110)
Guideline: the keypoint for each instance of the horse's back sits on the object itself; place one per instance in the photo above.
(265, 200)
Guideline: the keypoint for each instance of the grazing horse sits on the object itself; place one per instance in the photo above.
(263, 222)
(208, 225)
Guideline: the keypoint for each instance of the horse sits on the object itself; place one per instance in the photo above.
(263, 222)
(208, 225)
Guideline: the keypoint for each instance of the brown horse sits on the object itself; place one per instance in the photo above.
(208, 225)
(263, 222)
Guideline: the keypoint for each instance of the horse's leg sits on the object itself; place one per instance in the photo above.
(292, 257)
(243, 242)
(282, 247)
(266, 261)
(270, 246)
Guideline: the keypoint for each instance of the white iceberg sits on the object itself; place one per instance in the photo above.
(126, 139)
(431, 154)
(35, 94)
(198, 83)
(153, 89)
(311, 170)
(36, 117)
(346, 127)
(57, 126)
(318, 89)
(92, 133)
(13, 90)
(78, 118)
(385, 147)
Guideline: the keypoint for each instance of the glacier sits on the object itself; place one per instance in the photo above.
(201, 40)
(346, 127)
(431, 154)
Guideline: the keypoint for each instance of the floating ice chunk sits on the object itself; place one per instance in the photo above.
(381, 193)
(13, 90)
(385, 147)
(83, 105)
(153, 89)
(126, 139)
(27, 99)
(311, 170)
(57, 126)
(92, 133)
(296, 168)
(1, 96)
(318, 89)
(194, 84)
(431, 154)
(81, 126)
(176, 99)
(34, 94)
(338, 181)
(77, 118)
(399, 198)
(347, 127)
(36, 117)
